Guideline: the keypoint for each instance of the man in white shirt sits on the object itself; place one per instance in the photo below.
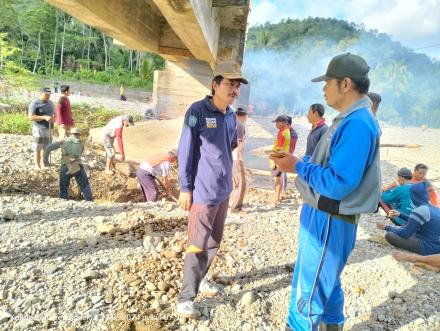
(113, 130)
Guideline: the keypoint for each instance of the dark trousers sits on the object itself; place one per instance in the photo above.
(411, 244)
(81, 180)
(205, 233)
(148, 185)
(239, 185)
(49, 149)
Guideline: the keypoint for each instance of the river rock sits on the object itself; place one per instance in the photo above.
(8, 215)
(246, 299)
(151, 241)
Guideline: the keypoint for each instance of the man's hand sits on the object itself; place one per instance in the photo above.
(47, 118)
(393, 213)
(286, 163)
(185, 200)
(380, 226)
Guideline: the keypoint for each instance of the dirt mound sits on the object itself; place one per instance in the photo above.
(146, 139)
(113, 188)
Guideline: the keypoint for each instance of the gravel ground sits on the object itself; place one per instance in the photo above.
(75, 265)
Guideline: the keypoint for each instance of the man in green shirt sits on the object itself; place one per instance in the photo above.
(72, 148)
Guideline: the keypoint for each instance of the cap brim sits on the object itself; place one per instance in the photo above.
(240, 78)
(320, 79)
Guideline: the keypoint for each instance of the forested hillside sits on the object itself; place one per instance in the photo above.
(281, 59)
(38, 38)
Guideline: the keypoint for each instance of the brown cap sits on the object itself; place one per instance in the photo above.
(229, 70)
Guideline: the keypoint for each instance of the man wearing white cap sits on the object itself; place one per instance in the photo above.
(113, 130)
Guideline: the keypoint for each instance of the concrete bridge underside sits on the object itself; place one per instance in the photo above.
(192, 35)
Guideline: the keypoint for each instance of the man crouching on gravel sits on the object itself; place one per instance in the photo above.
(339, 182)
(208, 137)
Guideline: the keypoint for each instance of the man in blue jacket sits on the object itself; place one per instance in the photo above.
(208, 137)
(340, 181)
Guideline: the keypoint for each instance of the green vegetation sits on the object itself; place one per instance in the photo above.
(86, 117)
(40, 39)
(281, 59)
(17, 123)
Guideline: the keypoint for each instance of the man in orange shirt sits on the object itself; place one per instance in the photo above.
(419, 175)
(281, 144)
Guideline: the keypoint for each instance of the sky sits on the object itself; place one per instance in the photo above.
(414, 23)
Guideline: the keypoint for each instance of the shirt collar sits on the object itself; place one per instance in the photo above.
(210, 106)
(321, 122)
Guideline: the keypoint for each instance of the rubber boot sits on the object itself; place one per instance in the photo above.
(331, 327)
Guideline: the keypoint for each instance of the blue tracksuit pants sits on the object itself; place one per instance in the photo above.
(325, 243)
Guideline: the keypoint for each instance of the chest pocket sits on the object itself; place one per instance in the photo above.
(212, 128)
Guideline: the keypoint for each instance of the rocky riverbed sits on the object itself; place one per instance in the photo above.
(112, 265)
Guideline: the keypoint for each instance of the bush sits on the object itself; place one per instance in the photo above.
(17, 123)
(102, 77)
(17, 106)
(99, 117)
(86, 117)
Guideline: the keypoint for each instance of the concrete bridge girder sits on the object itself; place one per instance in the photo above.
(192, 34)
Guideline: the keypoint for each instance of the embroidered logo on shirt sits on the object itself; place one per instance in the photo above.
(192, 121)
(211, 122)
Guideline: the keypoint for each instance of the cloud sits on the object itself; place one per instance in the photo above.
(265, 11)
(414, 23)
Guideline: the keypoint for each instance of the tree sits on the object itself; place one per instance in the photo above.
(6, 50)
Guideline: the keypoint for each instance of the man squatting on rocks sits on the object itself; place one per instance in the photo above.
(205, 177)
(397, 197)
(158, 165)
(41, 113)
(238, 171)
(421, 232)
(419, 175)
(112, 130)
(335, 193)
